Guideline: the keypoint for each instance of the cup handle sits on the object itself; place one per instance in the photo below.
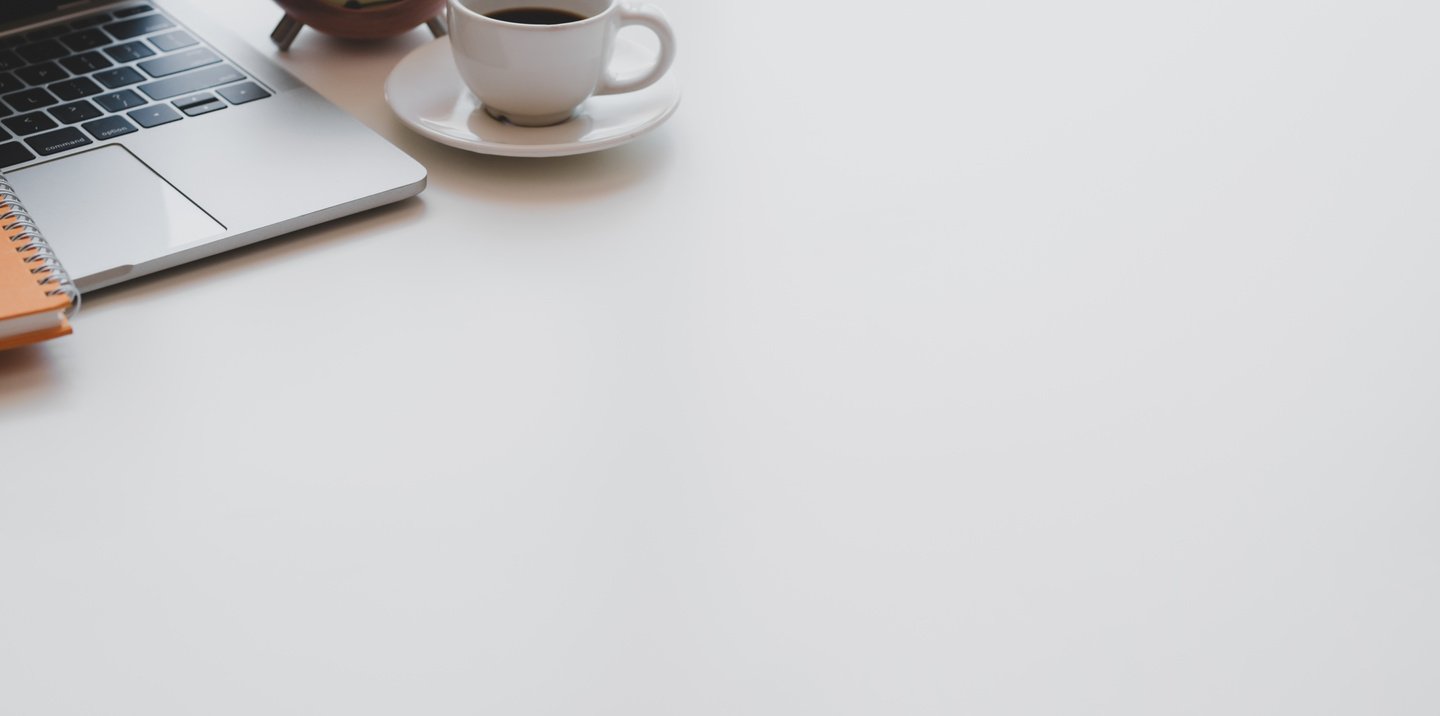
(648, 17)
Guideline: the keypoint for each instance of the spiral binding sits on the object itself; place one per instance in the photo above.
(47, 269)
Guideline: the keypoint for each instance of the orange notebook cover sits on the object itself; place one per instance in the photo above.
(37, 297)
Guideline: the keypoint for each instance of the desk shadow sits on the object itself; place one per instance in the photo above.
(32, 372)
(254, 256)
(313, 47)
(530, 180)
(26, 372)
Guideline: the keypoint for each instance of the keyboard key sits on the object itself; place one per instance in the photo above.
(138, 9)
(193, 99)
(91, 21)
(42, 51)
(205, 108)
(74, 89)
(86, 63)
(46, 33)
(118, 101)
(10, 60)
(129, 52)
(12, 153)
(192, 82)
(154, 115)
(243, 92)
(178, 62)
(8, 83)
(173, 40)
(29, 123)
(57, 141)
(75, 112)
(137, 27)
(41, 74)
(30, 99)
(109, 127)
(4, 134)
(85, 40)
(118, 77)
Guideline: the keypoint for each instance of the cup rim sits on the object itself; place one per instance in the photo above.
(458, 4)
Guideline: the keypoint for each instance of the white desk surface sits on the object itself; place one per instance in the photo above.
(994, 358)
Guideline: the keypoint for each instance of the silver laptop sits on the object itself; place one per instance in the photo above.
(141, 135)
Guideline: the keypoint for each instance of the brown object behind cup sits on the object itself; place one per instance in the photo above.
(369, 23)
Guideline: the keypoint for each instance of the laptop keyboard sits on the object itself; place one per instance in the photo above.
(106, 75)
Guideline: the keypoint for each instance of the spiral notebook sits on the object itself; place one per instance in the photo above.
(37, 297)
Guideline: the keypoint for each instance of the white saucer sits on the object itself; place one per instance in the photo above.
(426, 92)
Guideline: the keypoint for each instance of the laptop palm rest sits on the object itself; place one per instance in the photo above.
(105, 210)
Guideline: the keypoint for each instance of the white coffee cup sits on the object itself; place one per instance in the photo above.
(535, 75)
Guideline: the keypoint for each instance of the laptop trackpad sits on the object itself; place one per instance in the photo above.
(105, 208)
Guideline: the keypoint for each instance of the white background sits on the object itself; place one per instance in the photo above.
(1021, 357)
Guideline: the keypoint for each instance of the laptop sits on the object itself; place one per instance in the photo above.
(142, 135)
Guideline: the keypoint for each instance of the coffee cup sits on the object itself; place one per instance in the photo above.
(533, 62)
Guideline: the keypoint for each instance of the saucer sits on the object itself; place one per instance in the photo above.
(426, 92)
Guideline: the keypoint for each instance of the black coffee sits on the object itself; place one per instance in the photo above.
(535, 16)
